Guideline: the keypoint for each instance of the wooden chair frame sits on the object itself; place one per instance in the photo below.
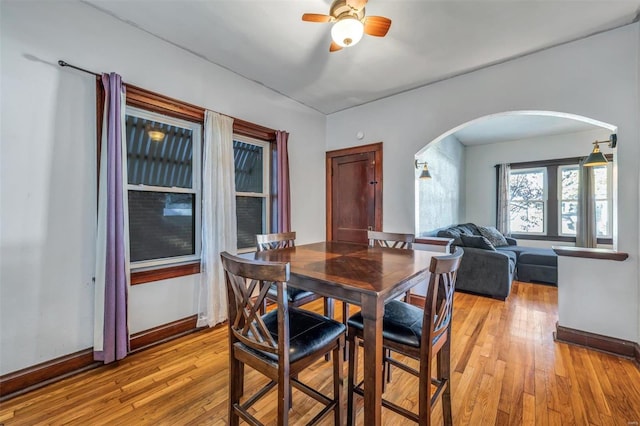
(283, 240)
(389, 240)
(248, 334)
(435, 341)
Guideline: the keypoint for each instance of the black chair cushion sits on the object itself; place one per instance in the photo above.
(308, 332)
(293, 294)
(402, 323)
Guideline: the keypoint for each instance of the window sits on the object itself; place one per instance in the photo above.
(602, 178)
(163, 185)
(527, 204)
(164, 182)
(252, 159)
(544, 200)
(569, 187)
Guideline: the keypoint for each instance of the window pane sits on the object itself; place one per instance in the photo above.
(527, 216)
(569, 217)
(600, 182)
(250, 214)
(248, 164)
(569, 184)
(161, 224)
(602, 218)
(527, 185)
(164, 162)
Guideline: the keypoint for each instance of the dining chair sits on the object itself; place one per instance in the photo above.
(296, 296)
(279, 344)
(421, 334)
(389, 240)
(392, 240)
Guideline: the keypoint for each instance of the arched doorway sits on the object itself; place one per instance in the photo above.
(462, 164)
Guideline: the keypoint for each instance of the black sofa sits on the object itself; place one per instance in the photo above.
(491, 261)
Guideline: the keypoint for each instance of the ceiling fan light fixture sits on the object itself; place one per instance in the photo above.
(347, 31)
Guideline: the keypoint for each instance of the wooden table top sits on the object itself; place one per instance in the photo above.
(354, 266)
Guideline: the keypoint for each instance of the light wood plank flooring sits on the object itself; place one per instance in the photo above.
(507, 370)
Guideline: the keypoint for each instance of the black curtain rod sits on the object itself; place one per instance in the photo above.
(65, 64)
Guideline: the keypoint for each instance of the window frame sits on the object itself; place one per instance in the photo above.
(266, 182)
(552, 174)
(151, 101)
(544, 200)
(196, 187)
(560, 168)
(609, 201)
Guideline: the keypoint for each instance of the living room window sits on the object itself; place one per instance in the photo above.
(163, 185)
(528, 201)
(252, 170)
(569, 186)
(568, 179)
(544, 200)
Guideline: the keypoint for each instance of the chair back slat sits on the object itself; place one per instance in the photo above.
(438, 308)
(275, 241)
(242, 277)
(390, 239)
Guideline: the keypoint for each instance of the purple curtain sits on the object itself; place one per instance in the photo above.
(115, 333)
(283, 199)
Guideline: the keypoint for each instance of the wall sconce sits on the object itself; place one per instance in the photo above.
(155, 133)
(596, 158)
(425, 170)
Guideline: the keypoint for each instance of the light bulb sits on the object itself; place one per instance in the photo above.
(347, 32)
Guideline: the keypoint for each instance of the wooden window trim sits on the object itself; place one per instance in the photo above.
(165, 272)
(150, 101)
(161, 104)
(245, 128)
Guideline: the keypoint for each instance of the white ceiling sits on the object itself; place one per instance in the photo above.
(266, 41)
(512, 127)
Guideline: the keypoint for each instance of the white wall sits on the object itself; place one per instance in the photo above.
(596, 77)
(47, 175)
(481, 159)
(441, 198)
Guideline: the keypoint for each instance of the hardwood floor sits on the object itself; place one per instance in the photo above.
(507, 370)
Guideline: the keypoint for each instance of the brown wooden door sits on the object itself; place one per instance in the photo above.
(354, 193)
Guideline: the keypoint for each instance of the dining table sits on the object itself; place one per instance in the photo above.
(361, 275)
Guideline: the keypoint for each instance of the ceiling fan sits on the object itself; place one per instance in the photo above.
(350, 23)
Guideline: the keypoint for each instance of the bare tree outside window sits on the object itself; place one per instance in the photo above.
(569, 188)
(527, 200)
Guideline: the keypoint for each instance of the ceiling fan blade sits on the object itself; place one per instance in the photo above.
(316, 17)
(334, 47)
(376, 25)
(357, 4)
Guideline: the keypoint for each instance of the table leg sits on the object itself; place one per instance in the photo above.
(372, 313)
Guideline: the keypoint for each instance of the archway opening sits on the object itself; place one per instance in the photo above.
(463, 187)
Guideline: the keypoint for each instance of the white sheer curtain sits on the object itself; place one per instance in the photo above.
(586, 233)
(503, 220)
(218, 216)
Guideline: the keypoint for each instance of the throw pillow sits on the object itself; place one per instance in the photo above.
(477, 241)
(493, 235)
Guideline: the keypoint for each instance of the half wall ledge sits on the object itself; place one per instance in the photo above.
(590, 253)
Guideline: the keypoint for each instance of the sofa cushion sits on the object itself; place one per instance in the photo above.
(451, 233)
(457, 230)
(546, 257)
(477, 241)
(493, 235)
(468, 229)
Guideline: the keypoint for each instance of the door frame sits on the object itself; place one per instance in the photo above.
(376, 148)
